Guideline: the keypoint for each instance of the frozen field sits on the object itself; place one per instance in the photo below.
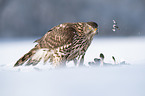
(128, 80)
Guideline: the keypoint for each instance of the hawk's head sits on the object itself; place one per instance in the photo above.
(93, 27)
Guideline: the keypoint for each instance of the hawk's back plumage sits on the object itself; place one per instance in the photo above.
(65, 42)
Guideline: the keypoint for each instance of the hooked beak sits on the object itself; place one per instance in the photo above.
(97, 30)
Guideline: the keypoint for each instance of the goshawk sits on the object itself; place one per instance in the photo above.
(62, 43)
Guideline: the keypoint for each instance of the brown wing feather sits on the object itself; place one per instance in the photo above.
(54, 38)
(57, 36)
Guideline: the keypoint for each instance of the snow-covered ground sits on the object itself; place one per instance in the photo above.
(128, 80)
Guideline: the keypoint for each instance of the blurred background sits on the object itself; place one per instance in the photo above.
(33, 18)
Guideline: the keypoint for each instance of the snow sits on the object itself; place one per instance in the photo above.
(43, 80)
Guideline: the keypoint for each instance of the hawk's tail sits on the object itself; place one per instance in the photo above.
(27, 56)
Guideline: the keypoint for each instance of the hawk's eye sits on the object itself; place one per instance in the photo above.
(90, 28)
